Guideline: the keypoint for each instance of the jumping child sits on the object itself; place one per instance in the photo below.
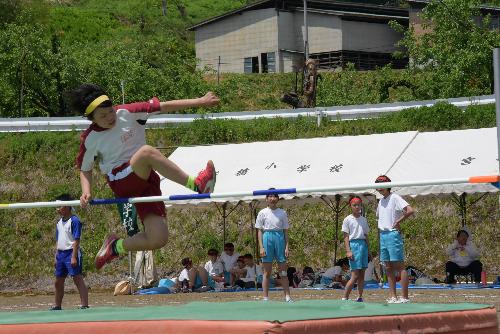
(355, 228)
(117, 138)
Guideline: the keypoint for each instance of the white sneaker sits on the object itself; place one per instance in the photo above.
(344, 298)
(393, 300)
(288, 299)
(265, 299)
(403, 300)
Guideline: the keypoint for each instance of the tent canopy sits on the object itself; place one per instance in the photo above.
(345, 161)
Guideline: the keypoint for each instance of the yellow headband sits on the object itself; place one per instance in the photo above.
(91, 107)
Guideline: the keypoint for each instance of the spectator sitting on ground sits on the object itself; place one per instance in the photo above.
(253, 274)
(293, 277)
(238, 271)
(338, 275)
(463, 258)
(214, 269)
(307, 278)
(192, 278)
(228, 259)
(371, 276)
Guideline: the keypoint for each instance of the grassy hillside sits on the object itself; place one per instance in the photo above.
(38, 166)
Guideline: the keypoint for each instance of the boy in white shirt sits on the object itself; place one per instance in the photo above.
(228, 259)
(355, 228)
(253, 273)
(214, 268)
(392, 210)
(272, 225)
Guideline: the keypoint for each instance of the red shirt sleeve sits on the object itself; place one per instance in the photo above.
(150, 106)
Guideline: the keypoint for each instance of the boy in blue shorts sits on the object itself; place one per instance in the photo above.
(68, 257)
(272, 225)
(392, 210)
(355, 228)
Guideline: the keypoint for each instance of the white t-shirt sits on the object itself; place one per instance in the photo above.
(389, 210)
(183, 275)
(228, 261)
(115, 146)
(272, 220)
(214, 268)
(332, 272)
(250, 277)
(369, 272)
(357, 228)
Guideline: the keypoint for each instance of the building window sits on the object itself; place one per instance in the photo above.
(251, 65)
(495, 22)
(268, 62)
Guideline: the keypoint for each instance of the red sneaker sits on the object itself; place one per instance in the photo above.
(205, 181)
(106, 253)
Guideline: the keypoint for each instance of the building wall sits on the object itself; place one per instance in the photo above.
(244, 35)
(325, 32)
(369, 37)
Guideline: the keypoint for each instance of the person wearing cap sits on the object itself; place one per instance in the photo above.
(463, 258)
(355, 229)
(117, 139)
(68, 258)
(392, 210)
(272, 226)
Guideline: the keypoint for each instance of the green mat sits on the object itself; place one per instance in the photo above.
(246, 310)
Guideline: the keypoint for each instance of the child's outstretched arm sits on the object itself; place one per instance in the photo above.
(207, 100)
(85, 182)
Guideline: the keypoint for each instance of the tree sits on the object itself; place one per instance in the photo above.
(455, 50)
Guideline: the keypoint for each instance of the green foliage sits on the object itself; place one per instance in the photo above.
(456, 51)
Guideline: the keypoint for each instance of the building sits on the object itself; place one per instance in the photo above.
(416, 7)
(268, 36)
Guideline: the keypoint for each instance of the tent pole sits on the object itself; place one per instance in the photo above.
(463, 209)
(496, 83)
(337, 211)
(224, 207)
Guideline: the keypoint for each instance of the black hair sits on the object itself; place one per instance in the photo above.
(308, 270)
(79, 99)
(228, 245)
(185, 261)
(462, 231)
(382, 179)
(272, 194)
(213, 251)
(64, 197)
(342, 261)
(248, 256)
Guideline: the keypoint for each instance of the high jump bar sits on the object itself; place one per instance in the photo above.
(493, 179)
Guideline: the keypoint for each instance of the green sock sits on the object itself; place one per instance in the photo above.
(119, 247)
(190, 183)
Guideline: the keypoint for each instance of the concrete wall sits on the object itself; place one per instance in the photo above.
(325, 32)
(238, 36)
(369, 37)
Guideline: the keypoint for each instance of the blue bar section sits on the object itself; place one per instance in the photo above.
(496, 184)
(186, 197)
(275, 191)
(108, 201)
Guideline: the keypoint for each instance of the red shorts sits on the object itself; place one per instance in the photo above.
(125, 183)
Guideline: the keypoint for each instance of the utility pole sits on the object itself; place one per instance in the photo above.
(164, 7)
(122, 85)
(496, 79)
(218, 70)
(306, 33)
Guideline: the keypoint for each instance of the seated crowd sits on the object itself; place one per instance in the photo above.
(231, 270)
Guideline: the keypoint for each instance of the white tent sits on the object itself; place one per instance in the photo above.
(345, 161)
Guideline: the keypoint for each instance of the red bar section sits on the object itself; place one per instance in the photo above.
(484, 179)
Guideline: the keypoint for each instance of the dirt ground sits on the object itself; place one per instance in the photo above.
(26, 302)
